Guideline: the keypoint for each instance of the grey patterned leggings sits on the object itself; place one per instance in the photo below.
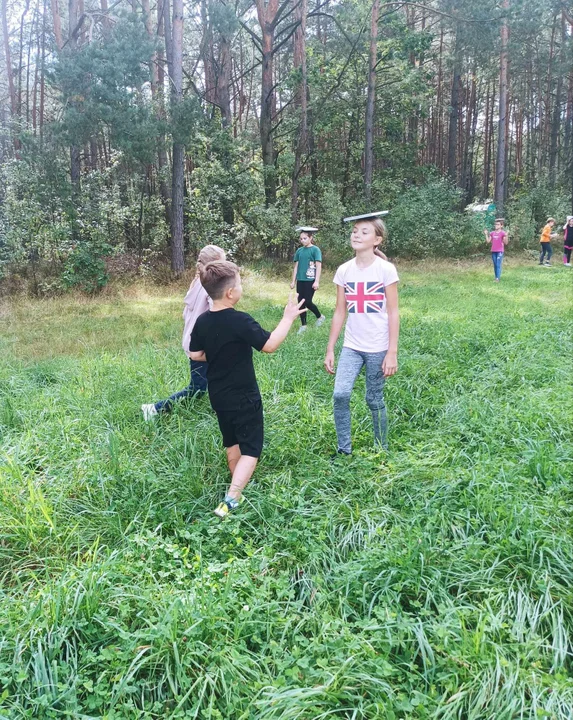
(350, 364)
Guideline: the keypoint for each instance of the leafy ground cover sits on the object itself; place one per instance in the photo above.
(432, 581)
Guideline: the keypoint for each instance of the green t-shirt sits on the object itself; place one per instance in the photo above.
(307, 257)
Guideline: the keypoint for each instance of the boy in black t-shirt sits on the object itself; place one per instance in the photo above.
(224, 337)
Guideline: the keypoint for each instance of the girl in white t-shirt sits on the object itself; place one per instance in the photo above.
(367, 298)
(196, 303)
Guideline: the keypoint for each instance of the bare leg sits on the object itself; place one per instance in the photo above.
(243, 472)
(233, 457)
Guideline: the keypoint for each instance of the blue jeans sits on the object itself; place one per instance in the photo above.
(546, 249)
(197, 386)
(350, 363)
(497, 258)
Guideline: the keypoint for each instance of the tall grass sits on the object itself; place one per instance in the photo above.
(432, 581)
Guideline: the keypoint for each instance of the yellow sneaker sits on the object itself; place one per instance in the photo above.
(226, 507)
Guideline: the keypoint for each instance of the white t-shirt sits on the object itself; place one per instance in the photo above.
(365, 292)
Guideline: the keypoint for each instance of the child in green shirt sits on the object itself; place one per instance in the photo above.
(306, 274)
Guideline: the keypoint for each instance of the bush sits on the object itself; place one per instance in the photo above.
(528, 210)
(426, 222)
(85, 269)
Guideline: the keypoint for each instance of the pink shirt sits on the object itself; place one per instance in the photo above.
(496, 238)
(196, 303)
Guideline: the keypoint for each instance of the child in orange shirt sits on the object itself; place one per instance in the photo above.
(545, 240)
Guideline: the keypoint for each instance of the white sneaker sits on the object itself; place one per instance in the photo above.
(567, 264)
(301, 329)
(148, 411)
(320, 320)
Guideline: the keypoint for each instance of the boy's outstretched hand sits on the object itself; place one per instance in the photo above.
(293, 308)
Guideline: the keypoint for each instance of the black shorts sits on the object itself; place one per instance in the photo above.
(243, 427)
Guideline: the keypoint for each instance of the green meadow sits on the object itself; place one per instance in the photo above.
(431, 581)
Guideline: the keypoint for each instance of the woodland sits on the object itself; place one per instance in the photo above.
(134, 132)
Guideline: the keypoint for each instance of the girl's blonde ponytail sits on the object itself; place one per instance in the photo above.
(382, 233)
(210, 253)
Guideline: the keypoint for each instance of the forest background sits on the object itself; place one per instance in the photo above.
(132, 133)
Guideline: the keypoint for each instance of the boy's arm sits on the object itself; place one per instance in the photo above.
(335, 328)
(390, 364)
(506, 238)
(292, 282)
(486, 233)
(316, 283)
(195, 343)
(292, 311)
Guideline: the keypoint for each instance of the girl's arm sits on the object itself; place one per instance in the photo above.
(390, 364)
(292, 282)
(316, 283)
(506, 239)
(198, 356)
(486, 233)
(335, 328)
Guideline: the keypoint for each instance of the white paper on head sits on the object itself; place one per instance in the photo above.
(306, 228)
(367, 216)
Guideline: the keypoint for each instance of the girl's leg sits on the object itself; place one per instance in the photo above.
(197, 386)
(309, 304)
(499, 264)
(375, 396)
(549, 252)
(301, 291)
(568, 254)
(350, 364)
(542, 253)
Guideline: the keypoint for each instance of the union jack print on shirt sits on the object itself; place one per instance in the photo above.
(365, 297)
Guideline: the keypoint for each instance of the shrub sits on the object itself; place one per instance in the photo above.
(426, 221)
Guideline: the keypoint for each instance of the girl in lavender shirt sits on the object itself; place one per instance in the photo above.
(196, 303)
(498, 239)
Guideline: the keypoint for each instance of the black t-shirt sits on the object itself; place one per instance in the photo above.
(227, 338)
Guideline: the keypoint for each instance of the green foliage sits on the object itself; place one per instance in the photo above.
(529, 209)
(432, 581)
(102, 86)
(84, 268)
(425, 222)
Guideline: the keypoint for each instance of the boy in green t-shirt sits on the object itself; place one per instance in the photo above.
(306, 274)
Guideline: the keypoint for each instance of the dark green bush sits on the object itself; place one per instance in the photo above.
(426, 222)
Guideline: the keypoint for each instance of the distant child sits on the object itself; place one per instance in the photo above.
(367, 297)
(545, 240)
(224, 337)
(306, 273)
(498, 239)
(567, 241)
(196, 303)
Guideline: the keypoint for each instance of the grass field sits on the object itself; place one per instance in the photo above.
(433, 581)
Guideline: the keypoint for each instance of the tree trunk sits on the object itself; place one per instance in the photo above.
(501, 158)
(300, 101)
(164, 188)
(370, 103)
(56, 19)
(266, 12)
(206, 52)
(75, 162)
(454, 113)
(178, 170)
(9, 69)
(556, 120)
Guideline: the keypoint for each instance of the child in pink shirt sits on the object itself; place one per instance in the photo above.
(498, 239)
